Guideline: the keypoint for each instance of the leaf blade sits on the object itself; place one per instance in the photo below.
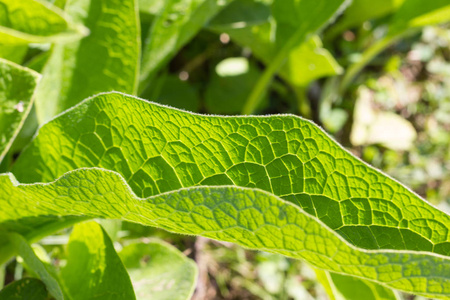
(249, 217)
(17, 88)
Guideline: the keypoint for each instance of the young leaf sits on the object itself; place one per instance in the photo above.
(24, 289)
(106, 60)
(158, 149)
(94, 269)
(178, 22)
(249, 217)
(35, 21)
(26, 252)
(159, 271)
(17, 85)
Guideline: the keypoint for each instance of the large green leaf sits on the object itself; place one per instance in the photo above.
(178, 22)
(249, 217)
(159, 271)
(94, 270)
(22, 248)
(35, 21)
(17, 85)
(24, 289)
(108, 59)
(158, 149)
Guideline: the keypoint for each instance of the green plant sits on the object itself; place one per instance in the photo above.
(276, 183)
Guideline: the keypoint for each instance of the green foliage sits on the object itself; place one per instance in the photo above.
(277, 184)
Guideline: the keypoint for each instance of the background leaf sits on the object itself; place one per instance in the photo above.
(34, 21)
(159, 271)
(24, 289)
(106, 60)
(17, 85)
(94, 269)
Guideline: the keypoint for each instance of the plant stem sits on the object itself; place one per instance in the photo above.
(263, 83)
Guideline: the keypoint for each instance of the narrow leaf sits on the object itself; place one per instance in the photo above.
(17, 85)
(106, 60)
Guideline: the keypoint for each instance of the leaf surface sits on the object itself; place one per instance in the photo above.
(106, 60)
(17, 85)
(249, 217)
(35, 21)
(94, 270)
(158, 149)
(159, 271)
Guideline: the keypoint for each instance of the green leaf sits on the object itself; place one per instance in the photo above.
(17, 85)
(26, 252)
(249, 217)
(94, 270)
(24, 289)
(106, 60)
(35, 21)
(159, 271)
(158, 149)
(178, 22)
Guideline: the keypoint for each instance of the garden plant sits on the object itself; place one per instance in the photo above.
(252, 123)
